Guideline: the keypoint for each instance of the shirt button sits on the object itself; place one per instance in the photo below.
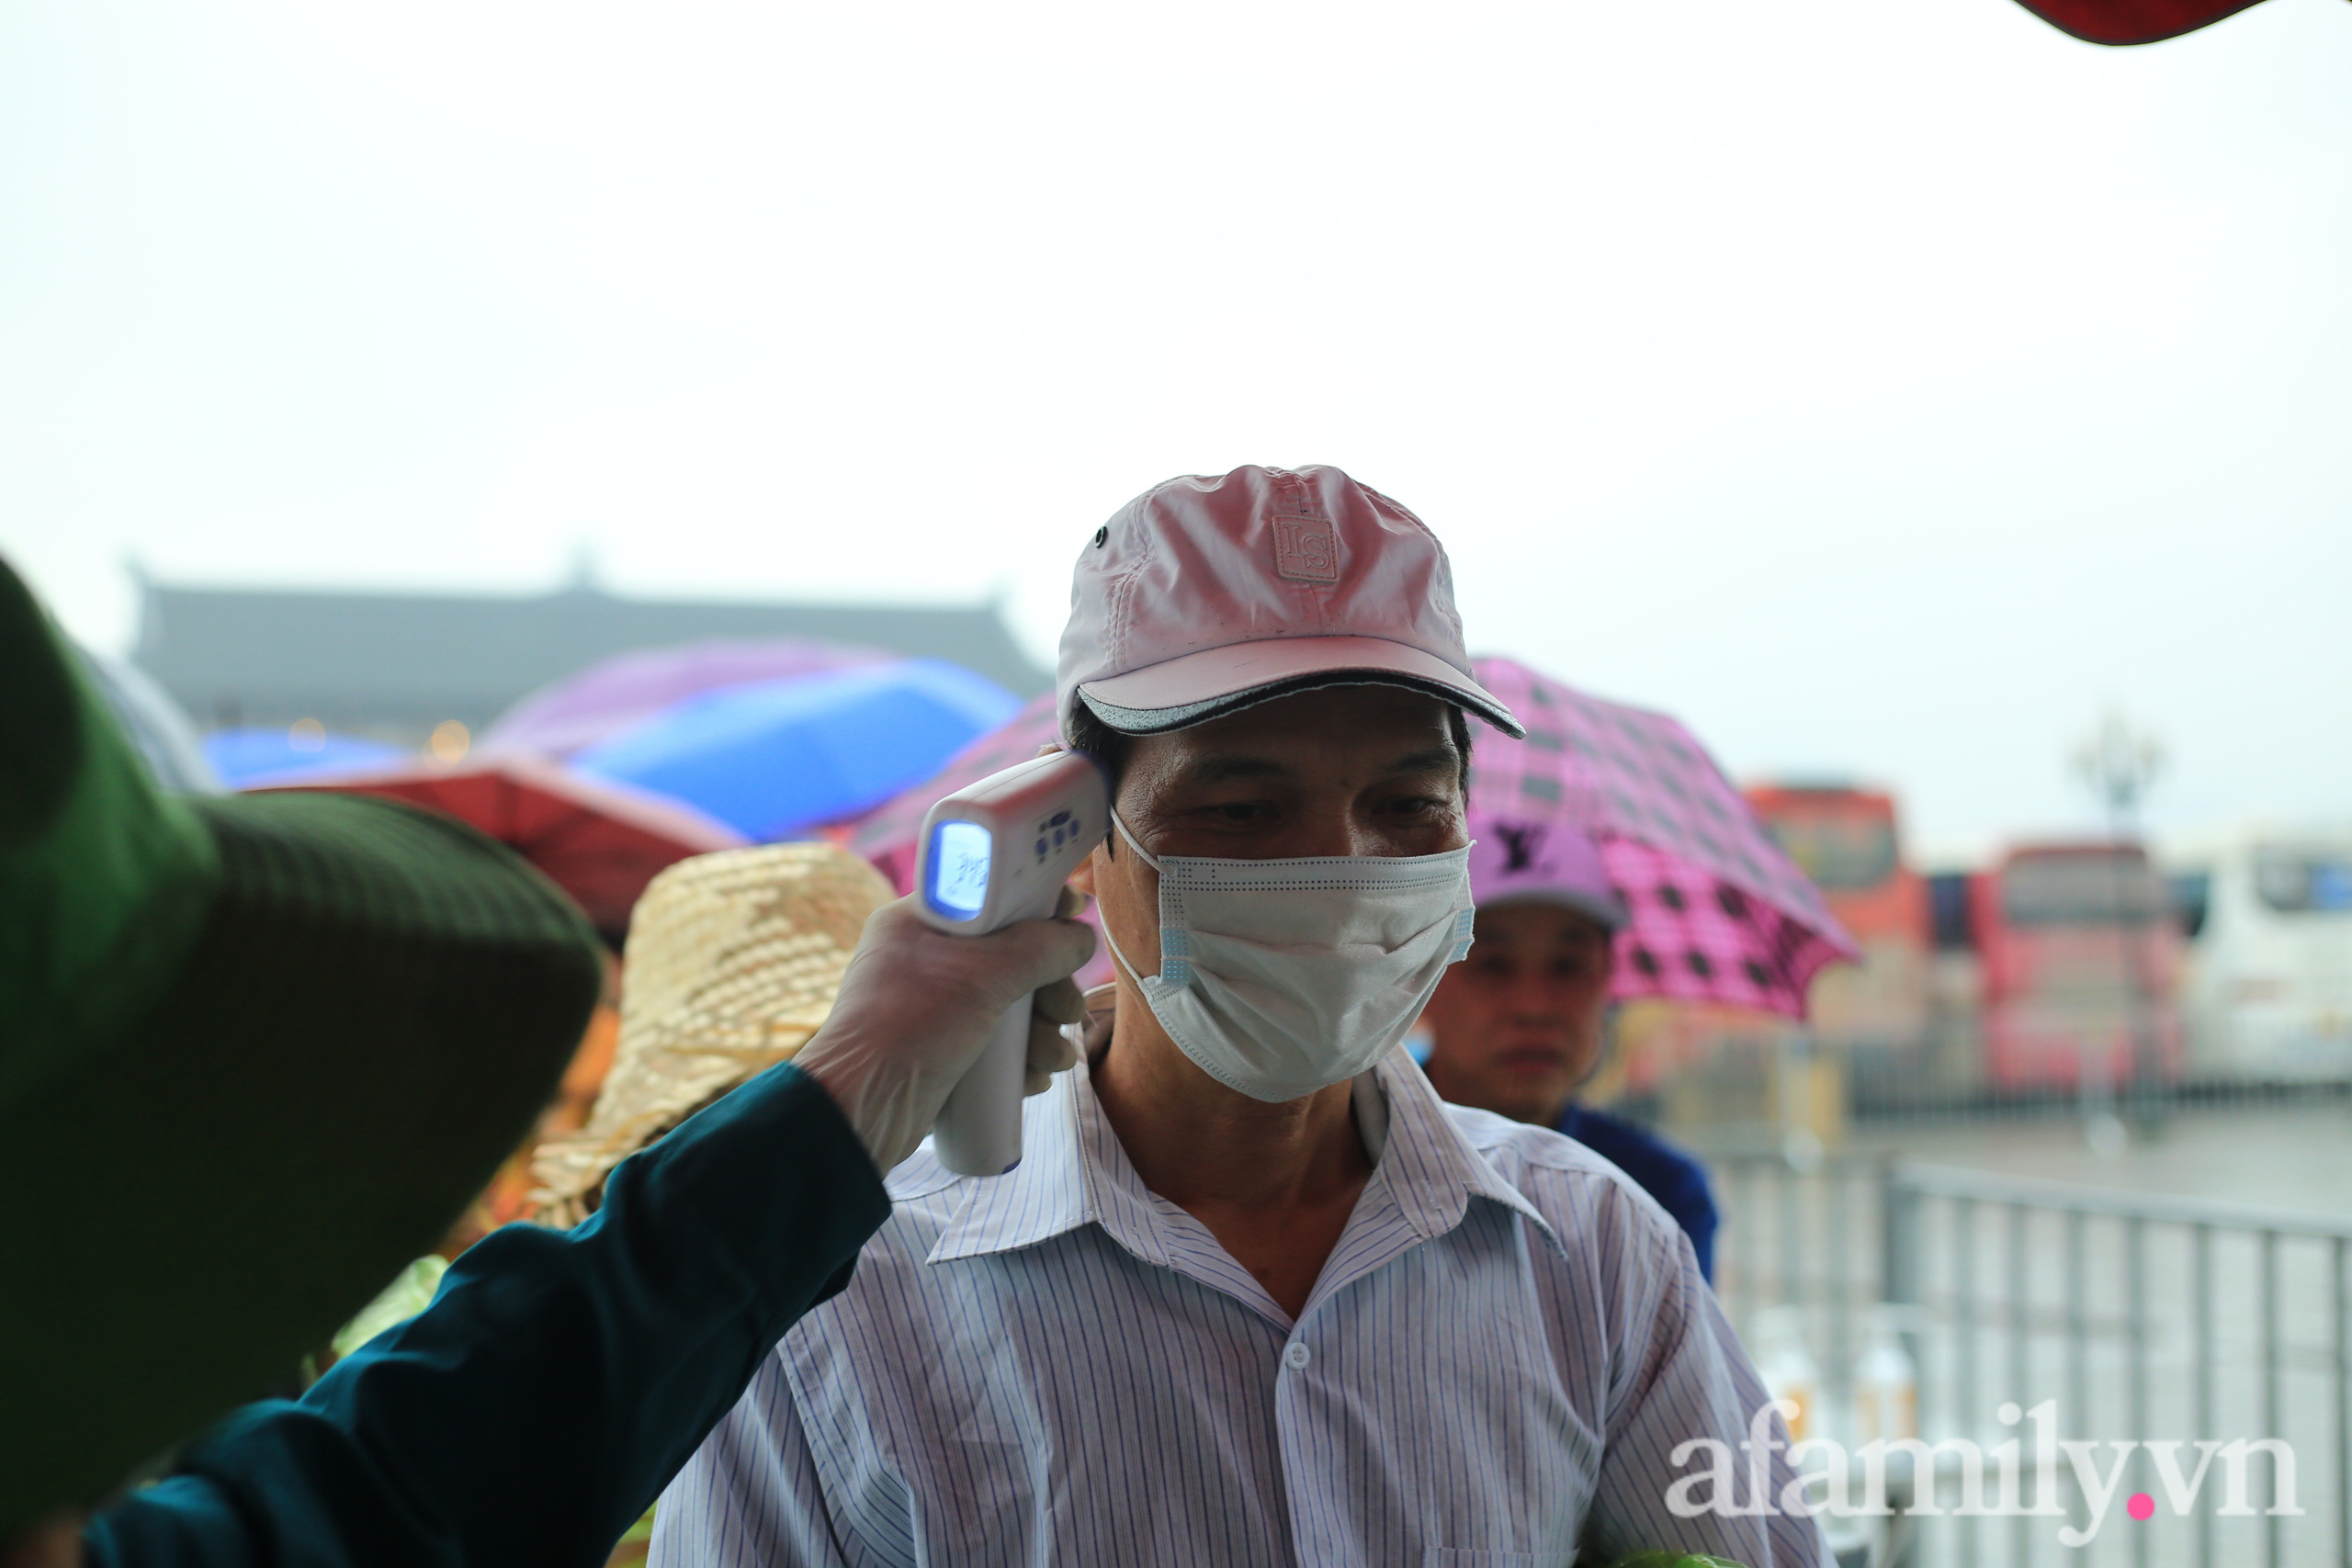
(1296, 1356)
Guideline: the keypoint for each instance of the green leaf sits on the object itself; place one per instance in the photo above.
(409, 1294)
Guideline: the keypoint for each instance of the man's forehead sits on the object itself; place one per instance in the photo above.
(1371, 729)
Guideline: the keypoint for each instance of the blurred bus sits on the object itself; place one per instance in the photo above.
(2269, 990)
(2079, 960)
(1845, 839)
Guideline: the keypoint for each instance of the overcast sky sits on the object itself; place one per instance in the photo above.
(1888, 390)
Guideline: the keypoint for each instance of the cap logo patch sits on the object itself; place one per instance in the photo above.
(1306, 549)
(1521, 845)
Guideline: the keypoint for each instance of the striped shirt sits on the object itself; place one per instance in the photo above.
(1059, 1367)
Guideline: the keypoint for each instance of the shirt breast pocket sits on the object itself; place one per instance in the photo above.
(1454, 1557)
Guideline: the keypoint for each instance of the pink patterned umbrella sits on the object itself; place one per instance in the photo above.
(1719, 913)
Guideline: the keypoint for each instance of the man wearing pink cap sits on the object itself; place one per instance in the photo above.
(1518, 1027)
(1254, 1295)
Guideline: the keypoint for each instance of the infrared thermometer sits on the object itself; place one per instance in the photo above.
(991, 854)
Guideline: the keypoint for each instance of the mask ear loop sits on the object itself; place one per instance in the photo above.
(1120, 958)
(1144, 854)
(1108, 940)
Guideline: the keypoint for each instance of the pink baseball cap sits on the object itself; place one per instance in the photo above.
(1521, 862)
(1203, 596)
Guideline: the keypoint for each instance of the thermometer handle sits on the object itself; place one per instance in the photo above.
(978, 1130)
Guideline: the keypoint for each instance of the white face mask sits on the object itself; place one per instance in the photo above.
(1279, 977)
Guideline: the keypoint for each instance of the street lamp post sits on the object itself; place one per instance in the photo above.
(2119, 766)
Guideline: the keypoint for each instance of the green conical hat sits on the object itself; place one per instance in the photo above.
(256, 1054)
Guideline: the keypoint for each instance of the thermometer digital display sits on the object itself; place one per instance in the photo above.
(959, 869)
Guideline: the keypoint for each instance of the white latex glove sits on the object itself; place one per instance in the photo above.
(917, 1005)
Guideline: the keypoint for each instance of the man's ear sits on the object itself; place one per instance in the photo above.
(1082, 877)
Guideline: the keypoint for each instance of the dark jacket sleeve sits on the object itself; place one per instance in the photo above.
(1694, 1208)
(558, 1380)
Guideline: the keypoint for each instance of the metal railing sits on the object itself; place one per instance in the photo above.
(1890, 1096)
(2143, 1318)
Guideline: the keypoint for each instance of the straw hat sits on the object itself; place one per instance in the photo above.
(733, 961)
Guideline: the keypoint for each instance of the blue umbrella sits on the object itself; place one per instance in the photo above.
(774, 758)
(247, 757)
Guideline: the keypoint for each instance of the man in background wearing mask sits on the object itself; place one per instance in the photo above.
(1519, 1026)
(1253, 1294)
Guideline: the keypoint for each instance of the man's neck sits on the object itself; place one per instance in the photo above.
(1274, 1184)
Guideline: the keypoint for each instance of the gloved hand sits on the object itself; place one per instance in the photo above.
(917, 1005)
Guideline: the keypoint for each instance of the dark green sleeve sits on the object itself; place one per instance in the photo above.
(559, 1380)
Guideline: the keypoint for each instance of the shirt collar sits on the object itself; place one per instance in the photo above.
(1074, 1172)
(1428, 1167)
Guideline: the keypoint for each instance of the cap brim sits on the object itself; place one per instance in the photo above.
(2126, 22)
(1606, 913)
(1197, 687)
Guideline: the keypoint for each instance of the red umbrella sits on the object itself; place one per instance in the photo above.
(600, 842)
(2133, 21)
